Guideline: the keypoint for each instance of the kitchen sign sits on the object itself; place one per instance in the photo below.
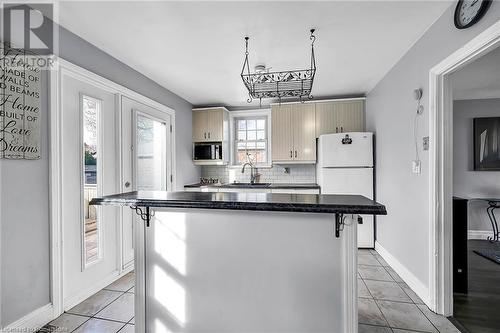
(19, 105)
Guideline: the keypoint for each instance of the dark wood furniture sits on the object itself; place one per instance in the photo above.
(460, 263)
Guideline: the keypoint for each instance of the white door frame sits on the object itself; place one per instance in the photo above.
(55, 180)
(441, 166)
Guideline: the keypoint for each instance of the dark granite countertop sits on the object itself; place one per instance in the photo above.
(311, 203)
(302, 186)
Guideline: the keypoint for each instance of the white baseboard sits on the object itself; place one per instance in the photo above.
(411, 280)
(86, 293)
(479, 234)
(32, 321)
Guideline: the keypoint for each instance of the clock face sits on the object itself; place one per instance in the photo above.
(469, 12)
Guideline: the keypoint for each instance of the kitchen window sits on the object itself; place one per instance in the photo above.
(250, 140)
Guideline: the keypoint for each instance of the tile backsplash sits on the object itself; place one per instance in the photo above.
(275, 174)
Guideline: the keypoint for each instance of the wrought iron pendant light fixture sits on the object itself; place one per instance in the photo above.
(295, 83)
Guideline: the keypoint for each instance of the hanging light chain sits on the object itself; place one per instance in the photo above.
(312, 37)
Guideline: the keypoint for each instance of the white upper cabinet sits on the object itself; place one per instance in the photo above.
(200, 126)
(293, 133)
(304, 132)
(340, 116)
(281, 133)
(209, 125)
(294, 127)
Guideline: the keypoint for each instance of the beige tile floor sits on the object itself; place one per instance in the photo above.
(386, 305)
(110, 310)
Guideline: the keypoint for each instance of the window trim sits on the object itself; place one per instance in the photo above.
(232, 133)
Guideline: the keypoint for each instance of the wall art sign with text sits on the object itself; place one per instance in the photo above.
(19, 104)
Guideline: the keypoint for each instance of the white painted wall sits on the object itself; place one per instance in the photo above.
(24, 209)
(466, 181)
(404, 232)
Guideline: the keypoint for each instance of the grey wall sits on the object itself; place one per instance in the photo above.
(24, 187)
(466, 181)
(404, 232)
(24, 217)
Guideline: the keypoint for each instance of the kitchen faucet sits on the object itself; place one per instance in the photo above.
(253, 173)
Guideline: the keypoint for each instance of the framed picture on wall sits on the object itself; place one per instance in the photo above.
(487, 144)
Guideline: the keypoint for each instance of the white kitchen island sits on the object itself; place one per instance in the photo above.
(245, 262)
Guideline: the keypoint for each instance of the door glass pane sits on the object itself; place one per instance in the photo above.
(151, 154)
(91, 109)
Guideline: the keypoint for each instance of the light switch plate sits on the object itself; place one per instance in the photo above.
(426, 143)
(415, 166)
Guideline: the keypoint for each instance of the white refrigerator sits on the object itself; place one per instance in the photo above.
(345, 166)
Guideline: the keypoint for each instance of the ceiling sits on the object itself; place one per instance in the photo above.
(479, 79)
(196, 49)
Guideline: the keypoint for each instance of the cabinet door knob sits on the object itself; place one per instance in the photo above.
(295, 154)
(205, 135)
(291, 154)
(336, 129)
(341, 129)
(209, 135)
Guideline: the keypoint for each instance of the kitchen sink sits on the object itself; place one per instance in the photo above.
(250, 185)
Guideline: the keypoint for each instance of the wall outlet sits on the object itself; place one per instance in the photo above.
(415, 166)
(426, 143)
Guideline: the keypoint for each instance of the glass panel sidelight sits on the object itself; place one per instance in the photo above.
(91, 230)
(151, 155)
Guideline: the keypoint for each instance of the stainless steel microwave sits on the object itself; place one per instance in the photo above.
(207, 151)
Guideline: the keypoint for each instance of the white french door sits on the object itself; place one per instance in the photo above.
(147, 160)
(89, 163)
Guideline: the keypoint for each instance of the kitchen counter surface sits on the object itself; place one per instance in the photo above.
(311, 203)
(270, 186)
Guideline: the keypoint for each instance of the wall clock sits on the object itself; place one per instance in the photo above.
(469, 12)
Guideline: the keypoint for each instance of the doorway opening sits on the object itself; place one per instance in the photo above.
(442, 165)
(476, 193)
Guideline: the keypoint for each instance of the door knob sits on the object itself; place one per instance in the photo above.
(127, 184)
